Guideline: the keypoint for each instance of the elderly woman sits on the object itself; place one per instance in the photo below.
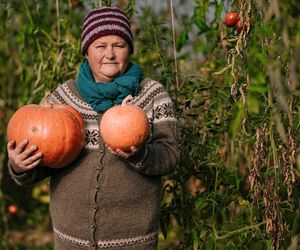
(106, 199)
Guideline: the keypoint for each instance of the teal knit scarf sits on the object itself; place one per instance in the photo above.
(102, 96)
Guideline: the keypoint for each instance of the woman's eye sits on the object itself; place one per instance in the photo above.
(100, 46)
(119, 46)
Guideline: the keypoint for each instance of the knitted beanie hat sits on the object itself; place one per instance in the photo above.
(105, 21)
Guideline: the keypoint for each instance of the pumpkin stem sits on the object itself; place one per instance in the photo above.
(45, 101)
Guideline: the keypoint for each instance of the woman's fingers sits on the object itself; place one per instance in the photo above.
(121, 153)
(134, 150)
(28, 152)
(21, 146)
(110, 149)
(33, 161)
(21, 158)
(11, 145)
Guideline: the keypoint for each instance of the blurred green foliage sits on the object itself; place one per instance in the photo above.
(237, 99)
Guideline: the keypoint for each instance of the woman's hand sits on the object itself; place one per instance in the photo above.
(21, 159)
(121, 153)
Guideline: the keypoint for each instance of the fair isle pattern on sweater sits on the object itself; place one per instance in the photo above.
(64, 95)
(153, 99)
(156, 102)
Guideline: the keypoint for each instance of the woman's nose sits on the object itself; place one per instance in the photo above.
(110, 52)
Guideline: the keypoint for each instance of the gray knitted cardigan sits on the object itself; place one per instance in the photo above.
(102, 201)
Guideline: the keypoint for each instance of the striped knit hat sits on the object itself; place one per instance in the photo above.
(105, 21)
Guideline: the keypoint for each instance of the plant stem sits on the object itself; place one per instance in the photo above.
(215, 191)
(174, 45)
(57, 21)
(221, 237)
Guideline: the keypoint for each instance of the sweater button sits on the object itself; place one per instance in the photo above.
(93, 226)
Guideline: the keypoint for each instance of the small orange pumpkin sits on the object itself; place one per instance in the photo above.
(124, 126)
(58, 130)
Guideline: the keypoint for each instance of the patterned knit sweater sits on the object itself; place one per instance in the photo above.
(102, 201)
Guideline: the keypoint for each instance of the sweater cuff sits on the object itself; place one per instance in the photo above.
(137, 160)
(22, 179)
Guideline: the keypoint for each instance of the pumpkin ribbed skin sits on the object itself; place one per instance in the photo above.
(124, 126)
(58, 130)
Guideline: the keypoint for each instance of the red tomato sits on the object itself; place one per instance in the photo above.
(12, 209)
(231, 18)
(239, 25)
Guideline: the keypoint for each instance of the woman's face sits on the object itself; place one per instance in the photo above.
(108, 57)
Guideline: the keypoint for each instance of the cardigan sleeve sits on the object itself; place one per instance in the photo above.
(160, 154)
(30, 177)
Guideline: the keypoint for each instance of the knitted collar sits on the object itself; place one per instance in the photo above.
(102, 96)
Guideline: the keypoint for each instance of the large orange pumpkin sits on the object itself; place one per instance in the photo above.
(124, 126)
(58, 130)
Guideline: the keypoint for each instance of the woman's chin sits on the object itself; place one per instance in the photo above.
(106, 77)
